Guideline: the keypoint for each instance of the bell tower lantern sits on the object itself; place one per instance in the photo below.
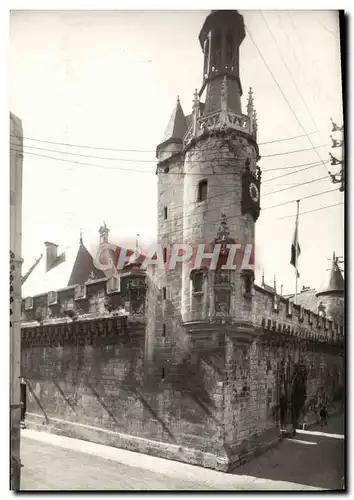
(221, 36)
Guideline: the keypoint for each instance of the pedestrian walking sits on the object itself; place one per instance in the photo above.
(323, 415)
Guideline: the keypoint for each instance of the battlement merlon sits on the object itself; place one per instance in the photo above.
(282, 317)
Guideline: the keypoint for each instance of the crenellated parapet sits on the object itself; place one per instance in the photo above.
(124, 295)
(284, 319)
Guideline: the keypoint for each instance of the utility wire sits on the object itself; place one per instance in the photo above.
(144, 171)
(288, 69)
(284, 96)
(304, 198)
(317, 164)
(134, 160)
(309, 211)
(296, 185)
(143, 150)
(222, 205)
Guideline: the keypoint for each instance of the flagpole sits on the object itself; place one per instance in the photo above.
(296, 247)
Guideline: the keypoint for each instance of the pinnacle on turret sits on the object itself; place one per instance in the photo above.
(196, 103)
(250, 108)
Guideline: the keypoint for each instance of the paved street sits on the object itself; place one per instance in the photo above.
(309, 458)
(59, 463)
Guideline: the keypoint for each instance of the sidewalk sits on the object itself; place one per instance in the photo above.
(54, 462)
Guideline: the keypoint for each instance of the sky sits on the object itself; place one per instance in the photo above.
(110, 80)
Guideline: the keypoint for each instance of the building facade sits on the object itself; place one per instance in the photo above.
(190, 362)
(16, 160)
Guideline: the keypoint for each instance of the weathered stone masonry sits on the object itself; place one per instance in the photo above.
(187, 364)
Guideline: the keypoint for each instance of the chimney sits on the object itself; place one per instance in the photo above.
(51, 254)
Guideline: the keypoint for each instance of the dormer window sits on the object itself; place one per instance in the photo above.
(80, 292)
(202, 190)
(310, 318)
(52, 298)
(113, 284)
(301, 314)
(289, 308)
(276, 303)
(28, 303)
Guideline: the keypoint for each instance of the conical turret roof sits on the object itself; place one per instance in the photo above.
(334, 281)
(176, 126)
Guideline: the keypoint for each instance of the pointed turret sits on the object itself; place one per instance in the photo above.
(331, 294)
(334, 282)
(175, 129)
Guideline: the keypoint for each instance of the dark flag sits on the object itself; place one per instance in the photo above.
(295, 247)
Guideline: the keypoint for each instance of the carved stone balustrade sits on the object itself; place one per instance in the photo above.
(218, 120)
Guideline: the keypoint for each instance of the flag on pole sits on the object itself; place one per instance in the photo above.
(295, 246)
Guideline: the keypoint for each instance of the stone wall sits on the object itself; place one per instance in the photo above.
(90, 375)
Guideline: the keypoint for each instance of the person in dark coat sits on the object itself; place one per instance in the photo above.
(323, 414)
(283, 407)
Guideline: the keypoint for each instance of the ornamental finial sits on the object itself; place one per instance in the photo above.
(195, 99)
(250, 108)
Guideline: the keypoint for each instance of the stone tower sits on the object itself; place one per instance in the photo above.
(331, 294)
(199, 315)
(221, 179)
(208, 194)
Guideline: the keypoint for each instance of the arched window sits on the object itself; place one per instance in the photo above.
(216, 49)
(206, 57)
(229, 49)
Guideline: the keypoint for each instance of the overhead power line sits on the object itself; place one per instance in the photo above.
(136, 160)
(100, 148)
(309, 211)
(303, 198)
(107, 167)
(317, 164)
(221, 206)
(300, 184)
(287, 68)
(284, 96)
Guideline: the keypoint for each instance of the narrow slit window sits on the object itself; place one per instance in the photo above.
(164, 294)
(165, 213)
(164, 330)
(165, 255)
(202, 190)
(163, 374)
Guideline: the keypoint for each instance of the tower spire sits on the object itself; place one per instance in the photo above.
(220, 37)
(81, 240)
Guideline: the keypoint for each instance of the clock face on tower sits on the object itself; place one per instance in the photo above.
(254, 193)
